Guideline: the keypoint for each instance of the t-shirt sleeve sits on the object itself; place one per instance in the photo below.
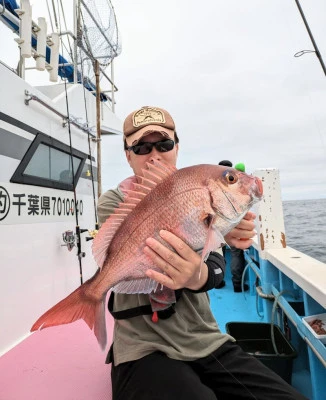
(107, 203)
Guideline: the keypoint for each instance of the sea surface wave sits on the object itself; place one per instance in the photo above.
(305, 226)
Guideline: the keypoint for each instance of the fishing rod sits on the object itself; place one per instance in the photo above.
(300, 53)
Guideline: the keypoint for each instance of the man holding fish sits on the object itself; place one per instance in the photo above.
(167, 344)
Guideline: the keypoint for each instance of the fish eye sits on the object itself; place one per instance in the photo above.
(230, 177)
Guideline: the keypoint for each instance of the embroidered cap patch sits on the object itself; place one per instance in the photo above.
(147, 116)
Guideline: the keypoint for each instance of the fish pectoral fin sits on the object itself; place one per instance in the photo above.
(162, 299)
(206, 217)
(163, 295)
(213, 242)
(132, 286)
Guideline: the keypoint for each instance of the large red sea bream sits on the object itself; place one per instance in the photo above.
(200, 204)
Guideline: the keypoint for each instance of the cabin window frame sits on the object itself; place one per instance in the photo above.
(20, 177)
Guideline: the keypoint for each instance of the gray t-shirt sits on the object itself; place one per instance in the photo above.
(191, 333)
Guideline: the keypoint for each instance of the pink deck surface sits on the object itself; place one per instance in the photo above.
(59, 363)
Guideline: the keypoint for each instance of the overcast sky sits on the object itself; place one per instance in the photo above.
(226, 71)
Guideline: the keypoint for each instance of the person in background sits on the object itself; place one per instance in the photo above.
(183, 355)
(237, 260)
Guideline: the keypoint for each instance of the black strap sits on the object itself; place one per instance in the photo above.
(216, 268)
(130, 312)
(141, 310)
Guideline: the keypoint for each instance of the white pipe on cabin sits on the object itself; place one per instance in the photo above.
(25, 42)
(41, 44)
(54, 58)
(270, 221)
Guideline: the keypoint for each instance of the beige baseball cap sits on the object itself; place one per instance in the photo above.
(145, 121)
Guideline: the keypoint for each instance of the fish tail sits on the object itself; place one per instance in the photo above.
(78, 305)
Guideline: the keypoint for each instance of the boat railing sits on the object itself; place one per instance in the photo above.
(290, 285)
(65, 119)
(8, 67)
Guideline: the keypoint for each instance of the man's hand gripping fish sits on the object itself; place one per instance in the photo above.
(199, 204)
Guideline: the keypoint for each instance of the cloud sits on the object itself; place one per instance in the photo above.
(226, 72)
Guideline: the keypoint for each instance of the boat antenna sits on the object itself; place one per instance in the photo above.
(316, 51)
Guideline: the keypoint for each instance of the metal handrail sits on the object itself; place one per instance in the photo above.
(7, 66)
(30, 96)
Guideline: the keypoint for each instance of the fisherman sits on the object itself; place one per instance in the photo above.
(237, 260)
(183, 354)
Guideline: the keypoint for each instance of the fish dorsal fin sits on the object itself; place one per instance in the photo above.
(135, 190)
(158, 171)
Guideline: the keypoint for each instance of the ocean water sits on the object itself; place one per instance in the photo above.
(305, 226)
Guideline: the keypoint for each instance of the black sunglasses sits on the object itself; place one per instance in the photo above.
(146, 147)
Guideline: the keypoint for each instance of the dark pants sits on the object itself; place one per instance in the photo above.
(237, 265)
(229, 373)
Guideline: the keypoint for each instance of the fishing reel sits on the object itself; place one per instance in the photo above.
(92, 234)
(69, 239)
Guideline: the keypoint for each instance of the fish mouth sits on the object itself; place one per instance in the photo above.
(258, 194)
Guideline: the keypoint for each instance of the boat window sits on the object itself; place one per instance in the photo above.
(48, 163)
